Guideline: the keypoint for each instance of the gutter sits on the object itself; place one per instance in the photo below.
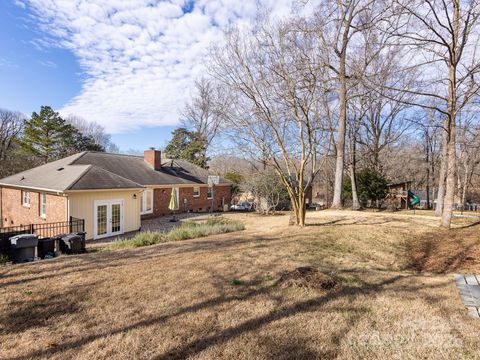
(57, 192)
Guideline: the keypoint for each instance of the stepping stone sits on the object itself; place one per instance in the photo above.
(469, 288)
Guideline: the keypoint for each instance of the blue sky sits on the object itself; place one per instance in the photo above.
(31, 77)
(127, 65)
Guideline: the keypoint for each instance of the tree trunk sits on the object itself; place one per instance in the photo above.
(427, 160)
(465, 183)
(442, 173)
(450, 180)
(353, 177)
(342, 124)
(451, 141)
(299, 210)
(355, 201)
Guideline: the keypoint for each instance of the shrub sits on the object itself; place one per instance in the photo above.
(191, 230)
(187, 230)
(142, 239)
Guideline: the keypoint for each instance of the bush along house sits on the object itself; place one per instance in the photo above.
(111, 192)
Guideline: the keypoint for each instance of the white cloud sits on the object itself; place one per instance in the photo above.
(140, 57)
(47, 63)
(7, 63)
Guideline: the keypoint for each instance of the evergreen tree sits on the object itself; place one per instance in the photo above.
(187, 145)
(371, 185)
(48, 137)
(43, 134)
(236, 179)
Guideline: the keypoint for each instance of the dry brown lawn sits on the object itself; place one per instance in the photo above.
(390, 294)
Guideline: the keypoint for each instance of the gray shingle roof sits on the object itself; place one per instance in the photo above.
(95, 170)
(138, 170)
(97, 178)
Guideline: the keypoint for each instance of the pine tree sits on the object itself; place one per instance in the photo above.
(187, 145)
(48, 137)
(43, 134)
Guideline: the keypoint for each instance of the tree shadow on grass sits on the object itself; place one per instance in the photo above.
(195, 347)
(348, 222)
(64, 265)
(39, 310)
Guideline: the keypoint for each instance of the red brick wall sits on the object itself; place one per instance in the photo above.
(154, 158)
(14, 213)
(161, 199)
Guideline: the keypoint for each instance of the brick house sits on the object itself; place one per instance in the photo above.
(112, 192)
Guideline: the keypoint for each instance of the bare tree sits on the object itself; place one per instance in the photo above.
(442, 38)
(469, 154)
(274, 76)
(337, 23)
(431, 139)
(95, 131)
(267, 189)
(11, 125)
(385, 115)
(202, 113)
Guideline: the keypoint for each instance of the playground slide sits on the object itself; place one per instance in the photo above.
(414, 199)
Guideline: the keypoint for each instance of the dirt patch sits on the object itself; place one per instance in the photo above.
(307, 277)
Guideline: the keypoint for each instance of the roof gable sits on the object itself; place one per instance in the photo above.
(56, 175)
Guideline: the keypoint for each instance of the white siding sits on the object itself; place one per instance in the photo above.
(81, 205)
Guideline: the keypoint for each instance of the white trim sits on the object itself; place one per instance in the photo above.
(21, 187)
(103, 190)
(42, 197)
(199, 191)
(26, 204)
(108, 204)
(169, 186)
(210, 197)
(143, 202)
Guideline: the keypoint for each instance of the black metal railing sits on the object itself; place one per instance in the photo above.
(44, 230)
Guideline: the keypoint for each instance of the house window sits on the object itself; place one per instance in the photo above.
(43, 205)
(146, 205)
(196, 192)
(26, 198)
(209, 192)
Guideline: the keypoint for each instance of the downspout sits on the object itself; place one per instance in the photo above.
(67, 210)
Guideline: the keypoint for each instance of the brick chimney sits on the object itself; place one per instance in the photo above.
(153, 158)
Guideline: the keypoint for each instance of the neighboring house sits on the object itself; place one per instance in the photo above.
(112, 192)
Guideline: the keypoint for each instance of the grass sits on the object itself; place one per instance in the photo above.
(241, 295)
(186, 230)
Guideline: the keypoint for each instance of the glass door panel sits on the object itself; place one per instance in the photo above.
(102, 219)
(116, 218)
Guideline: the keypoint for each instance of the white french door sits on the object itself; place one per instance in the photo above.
(108, 219)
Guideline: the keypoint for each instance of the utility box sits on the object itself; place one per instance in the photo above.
(22, 247)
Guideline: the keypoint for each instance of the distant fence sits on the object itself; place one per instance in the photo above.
(44, 230)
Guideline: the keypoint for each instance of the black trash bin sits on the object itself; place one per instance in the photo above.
(82, 236)
(71, 244)
(46, 247)
(22, 247)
